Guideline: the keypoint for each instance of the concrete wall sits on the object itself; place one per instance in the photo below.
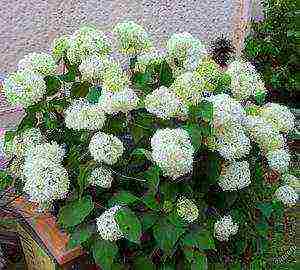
(30, 25)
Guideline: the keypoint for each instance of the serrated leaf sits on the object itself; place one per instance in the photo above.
(94, 94)
(53, 84)
(75, 212)
(266, 208)
(129, 224)
(80, 89)
(104, 253)
(166, 235)
(201, 239)
(123, 198)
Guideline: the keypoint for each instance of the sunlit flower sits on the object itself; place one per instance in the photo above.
(101, 177)
(224, 228)
(187, 210)
(287, 195)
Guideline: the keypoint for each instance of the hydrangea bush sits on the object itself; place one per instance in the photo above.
(166, 164)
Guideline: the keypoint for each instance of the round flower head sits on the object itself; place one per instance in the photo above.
(183, 47)
(106, 148)
(173, 152)
(279, 160)
(287, 195)
(153, 57)
(279, 116)
(24, 88)
(132, 38)
(264, 134)
(224, 228)
(60, 46)
(164, 104)
(226, 111)
(113, 77)
(23, 142)
(83, 115)
(91, 68)
(188, 88)
(107, 226)
(41, 63)
(291, 181)
(85, 42)
(187, 210)
(232, 143)
(122, 101)
(235, 176)
(245, 81)
(101, 177)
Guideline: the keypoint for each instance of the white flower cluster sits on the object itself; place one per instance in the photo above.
(101, 177)
(165, 104)
(287, 195)
(107, 226)
(245, 81)
(132, 38)
(124, 101)
(279, 116)
(279, 160)
(173, 152)
(186, 49)
(41, 63)
(91, 68)
(153, 57)
(24, 88)
(45, 178)
(187, 210)
(291, 181)
(84, 42)
(235, 176)
(106, 148)
(83, 115)
(224, 228)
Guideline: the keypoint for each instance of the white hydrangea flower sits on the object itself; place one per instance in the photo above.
(287, 195)
(279, 116)
(245, 80)
(187, 49)
(107, 226)
(132, 38)
(232, 143)
(165, 104)
(153, 57)
(187, 210)
(291, 181)
(174, 155)
(60, 46)
(83, 115)
(42, 63)
(226, 111)
(45, 152)
(279, 160)
(121, 101)
(85, 42)
(106, 148)
(23, 142)
(235, 176)
(24, 88)
(224, 228)
(91, 68)
(45, 181)
(264, 134)
(188, 87)
(101, 177)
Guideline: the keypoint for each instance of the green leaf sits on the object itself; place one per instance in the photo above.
(166, 235)
(50, 120)
(70, 75)
(152, 177)
(196, 134)
(80, 89)
(5, 180)
(82, 179)
(165, 76)
(148, 220)
(205, 111)
(27, 122)
(75, 212)
(129, 224)
(94, 94)
(104, 253)
(80, 236)
(201, 239)
(53, 85)
(123, 198)
(266, 208)
(199, 262)
(262, 228)
(142, 263)
(137, 133)
(9, 135)
(143, 81)
(150, 201)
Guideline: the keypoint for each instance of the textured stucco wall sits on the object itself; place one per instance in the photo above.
(31, 25)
